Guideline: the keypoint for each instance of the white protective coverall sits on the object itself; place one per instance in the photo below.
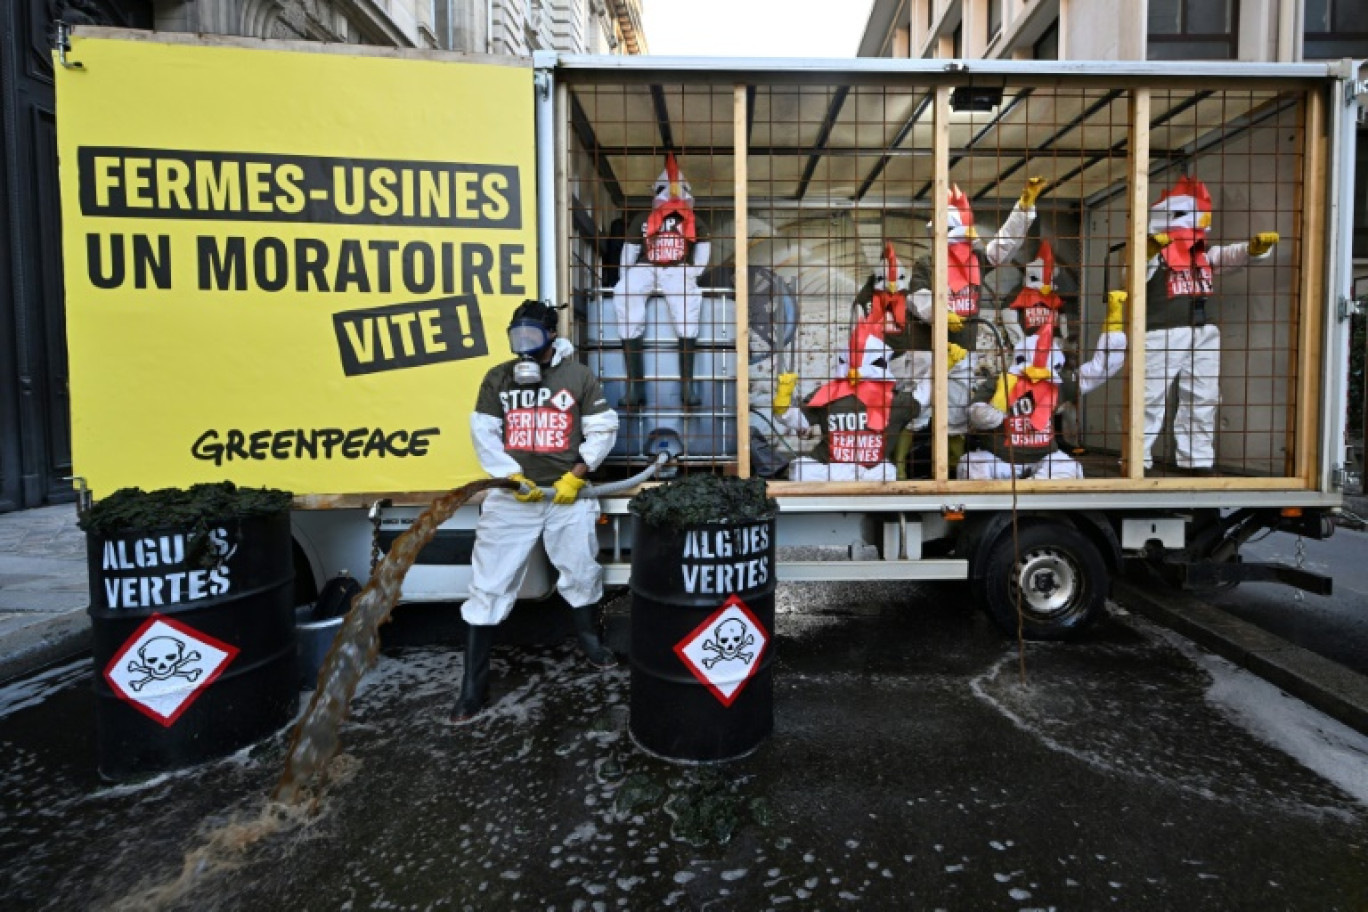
(917, 367)
(1191, 357)
(666, 261)
(508, 529)
(678, 285)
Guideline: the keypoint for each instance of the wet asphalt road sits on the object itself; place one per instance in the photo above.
(1335, 626)
(911, 768)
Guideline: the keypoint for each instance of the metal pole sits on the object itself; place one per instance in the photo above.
(545, 101)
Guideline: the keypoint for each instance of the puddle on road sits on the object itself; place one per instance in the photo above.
(1129, 709)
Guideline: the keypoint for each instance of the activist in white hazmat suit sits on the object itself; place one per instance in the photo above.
(1180, 345)
(966, 268)
(540, 420)
(663, 256)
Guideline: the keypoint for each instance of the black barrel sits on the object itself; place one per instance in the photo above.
(194, 641)
(702, 638)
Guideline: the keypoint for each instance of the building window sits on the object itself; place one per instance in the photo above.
(1046, 46)
(1193, 29)
(957, 42)
(1335, 28)
(994, 20)
(930, 15)
(443, 24)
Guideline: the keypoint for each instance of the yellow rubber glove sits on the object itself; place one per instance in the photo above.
(567, 488)
(1155, 243)
(533, 493)
(1036, 373)
(783, 393)
(954, 321)
(957, 354)
(1116, 312)
(1034, 186)
(1005, 384)
(1262, 242)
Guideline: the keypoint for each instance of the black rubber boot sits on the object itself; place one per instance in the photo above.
(634, 356)
(475, 682)
(688, 387)
(586, 630)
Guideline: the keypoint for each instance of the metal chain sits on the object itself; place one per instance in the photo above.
(1297, 594)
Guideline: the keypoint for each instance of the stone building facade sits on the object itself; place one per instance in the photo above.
(472, 26)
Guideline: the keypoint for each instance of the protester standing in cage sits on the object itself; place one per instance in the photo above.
(664, 254)
(965, 284)
(541, 420)
(1181, 347)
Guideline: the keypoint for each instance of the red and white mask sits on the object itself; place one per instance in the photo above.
(1184, 214)
(960, 216)
(1031, 403)
(1184, 209)
(1037, 300)
(964, 265)
(671, 185)
(868, 356)
(670, 229)
(1038, 351)
(890, 292)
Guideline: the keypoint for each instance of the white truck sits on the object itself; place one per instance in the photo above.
(274, 164)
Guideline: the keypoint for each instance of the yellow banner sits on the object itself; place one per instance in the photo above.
(288, 269)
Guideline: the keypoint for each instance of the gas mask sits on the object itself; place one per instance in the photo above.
(528, 339)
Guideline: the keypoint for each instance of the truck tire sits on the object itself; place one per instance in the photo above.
(1061, 577)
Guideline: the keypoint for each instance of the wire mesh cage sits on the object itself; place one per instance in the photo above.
(948, 280)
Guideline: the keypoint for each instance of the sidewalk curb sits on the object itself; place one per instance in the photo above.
(1329, 687)
(43, 642)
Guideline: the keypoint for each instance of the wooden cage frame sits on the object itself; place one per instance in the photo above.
(1312, 262)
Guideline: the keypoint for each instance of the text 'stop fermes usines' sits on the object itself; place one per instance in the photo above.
(179, 184)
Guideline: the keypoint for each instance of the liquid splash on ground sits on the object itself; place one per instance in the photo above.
(310, 762)
(354, 649)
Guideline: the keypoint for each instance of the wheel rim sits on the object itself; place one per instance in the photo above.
(1048, 582)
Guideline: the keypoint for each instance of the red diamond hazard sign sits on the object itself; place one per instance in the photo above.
(164, 667)
(724, 651)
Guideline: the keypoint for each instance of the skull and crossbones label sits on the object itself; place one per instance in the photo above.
(165, 666)
(726, 650)
(729, 639)
(163, 657)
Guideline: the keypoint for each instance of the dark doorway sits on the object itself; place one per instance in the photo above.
(35, 418)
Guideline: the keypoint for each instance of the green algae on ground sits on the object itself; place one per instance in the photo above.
(697, 499)
(136, 510)
(708, 808)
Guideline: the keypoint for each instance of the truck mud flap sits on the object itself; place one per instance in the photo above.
(1210, 576)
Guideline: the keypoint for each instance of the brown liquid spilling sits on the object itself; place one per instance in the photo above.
(316, 736)
(353, 651)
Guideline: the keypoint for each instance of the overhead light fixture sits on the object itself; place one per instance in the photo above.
(975, 98)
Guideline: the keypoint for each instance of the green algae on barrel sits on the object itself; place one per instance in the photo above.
(697, 499)
(192, 623)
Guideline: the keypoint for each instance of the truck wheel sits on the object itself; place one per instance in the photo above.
(1059, 574)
